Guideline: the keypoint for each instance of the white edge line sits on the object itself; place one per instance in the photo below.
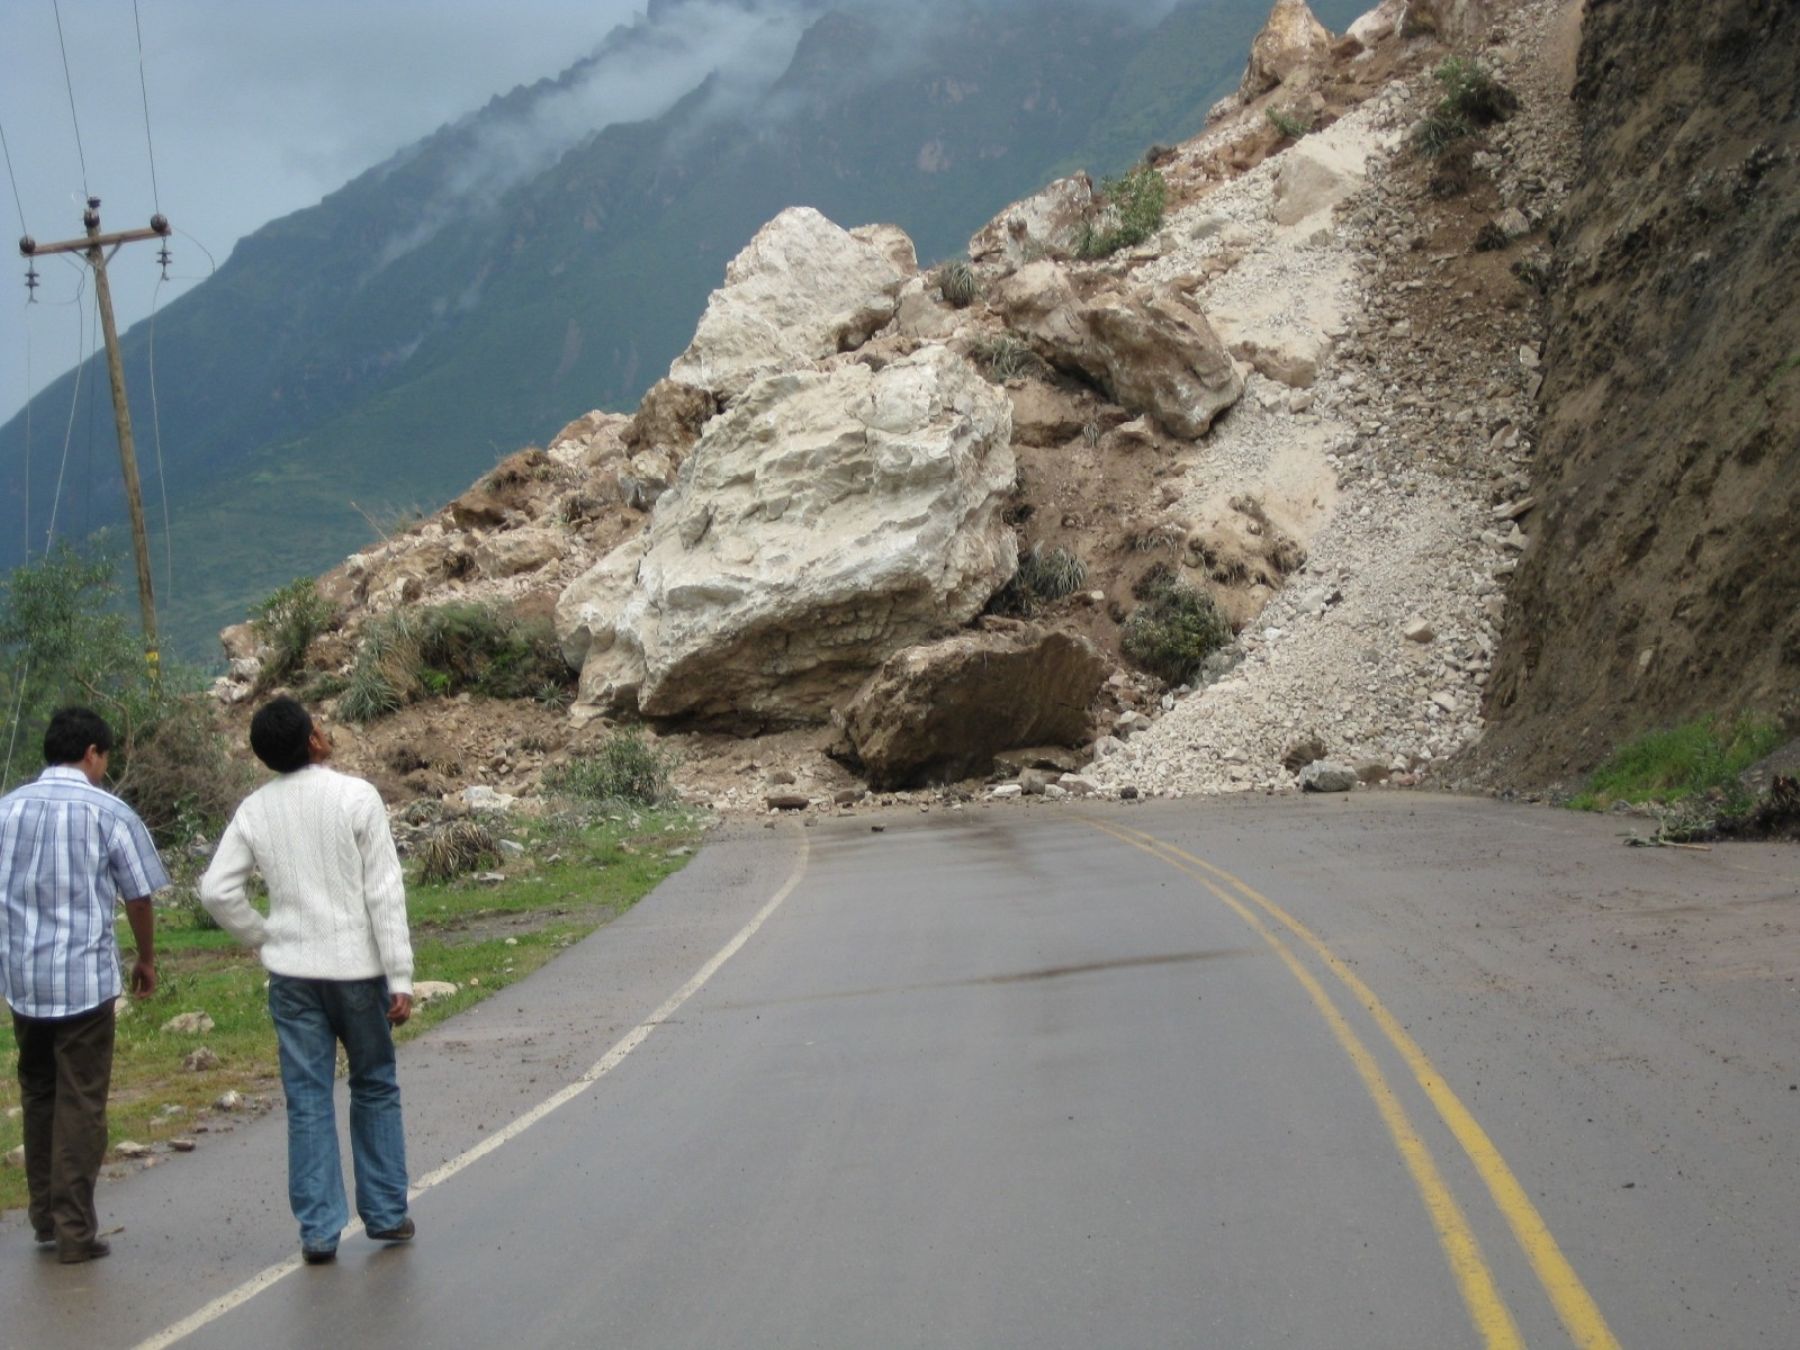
(611, 1060)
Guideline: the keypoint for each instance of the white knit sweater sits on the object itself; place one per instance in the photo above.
(337, 899)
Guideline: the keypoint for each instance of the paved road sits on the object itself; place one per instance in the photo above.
(1388, 1071)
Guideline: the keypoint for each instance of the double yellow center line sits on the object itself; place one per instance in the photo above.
(1487, 1309)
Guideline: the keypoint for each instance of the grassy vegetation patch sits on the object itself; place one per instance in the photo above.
(576, 873)
(433, 653)
(1132, 212)
(1701, 759)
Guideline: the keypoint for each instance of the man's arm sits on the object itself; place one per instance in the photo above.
(142, 919)
(384, 895)
(222, 889)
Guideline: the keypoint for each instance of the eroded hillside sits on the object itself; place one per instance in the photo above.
(1250, 497)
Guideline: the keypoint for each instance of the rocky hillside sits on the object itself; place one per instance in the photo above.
(550, 252)
(1663, 582)
(1238, 494)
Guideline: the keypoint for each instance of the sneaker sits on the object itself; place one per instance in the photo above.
(321, 1256)
(91, 1250)
(400, 1232)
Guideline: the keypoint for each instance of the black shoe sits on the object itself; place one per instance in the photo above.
(47, 1238)
(322, 1257)
(85, 1251)
(400, 1232)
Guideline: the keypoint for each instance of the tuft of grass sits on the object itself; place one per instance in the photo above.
(1290, 123)
(578, 873)
(1004, 357)
(1132, 211)
(457, 849)
(1044, 575)
(957, 283)
(625, 768)
(288, 621)
(1173, 632)
(1699, 759)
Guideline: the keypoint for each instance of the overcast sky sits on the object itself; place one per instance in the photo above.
(257, 108)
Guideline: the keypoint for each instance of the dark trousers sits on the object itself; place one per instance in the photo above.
(65, 1068)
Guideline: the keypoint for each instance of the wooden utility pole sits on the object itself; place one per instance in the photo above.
(95, 246)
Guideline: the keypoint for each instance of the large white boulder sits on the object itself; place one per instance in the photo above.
(802, 289)
(823, 522)
(1150, 349)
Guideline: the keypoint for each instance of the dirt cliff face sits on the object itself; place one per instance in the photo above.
(1664, 581)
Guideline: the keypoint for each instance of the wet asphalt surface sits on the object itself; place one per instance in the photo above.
(998, 1077)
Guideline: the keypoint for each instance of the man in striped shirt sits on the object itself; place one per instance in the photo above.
(69, 852)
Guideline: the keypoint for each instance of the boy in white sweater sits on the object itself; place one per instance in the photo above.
(340, 968)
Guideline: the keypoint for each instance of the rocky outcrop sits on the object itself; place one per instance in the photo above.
(940, 712)
(1150, 349)
(1046, 225)
(823, 522)
(801, 290)
(1456, 22)
(1292, 40)
(1660, 583)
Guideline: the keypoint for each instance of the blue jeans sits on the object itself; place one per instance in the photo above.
(311, 1018)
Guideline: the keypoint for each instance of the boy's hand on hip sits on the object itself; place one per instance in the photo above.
(399, 1008)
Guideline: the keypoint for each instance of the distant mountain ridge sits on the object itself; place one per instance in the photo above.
(516, 268)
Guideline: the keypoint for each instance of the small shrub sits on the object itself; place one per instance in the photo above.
(1173, 632)
(625, 768)
(288, 621)
(1472, 99)
(1004, 357)
(1044, 575)
(1474, 95)
(957, 283)
(1132, 212)
(1290, 123)
(457, 849)
(1491, 239)
(177, 770)
(1437, 133)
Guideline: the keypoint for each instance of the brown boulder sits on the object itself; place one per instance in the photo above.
(669, 418)
(1149, 349)
(943, 710)
(1291, 40)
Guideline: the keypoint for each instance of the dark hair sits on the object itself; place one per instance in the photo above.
(279, 733)
(71, 732)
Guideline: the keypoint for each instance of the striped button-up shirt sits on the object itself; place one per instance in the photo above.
(69, 852)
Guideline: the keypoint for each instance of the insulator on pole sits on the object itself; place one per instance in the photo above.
(27, 246)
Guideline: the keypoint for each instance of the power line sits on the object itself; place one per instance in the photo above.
(13, 178)
(69, 432)
(144, 89)
(69, 82)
